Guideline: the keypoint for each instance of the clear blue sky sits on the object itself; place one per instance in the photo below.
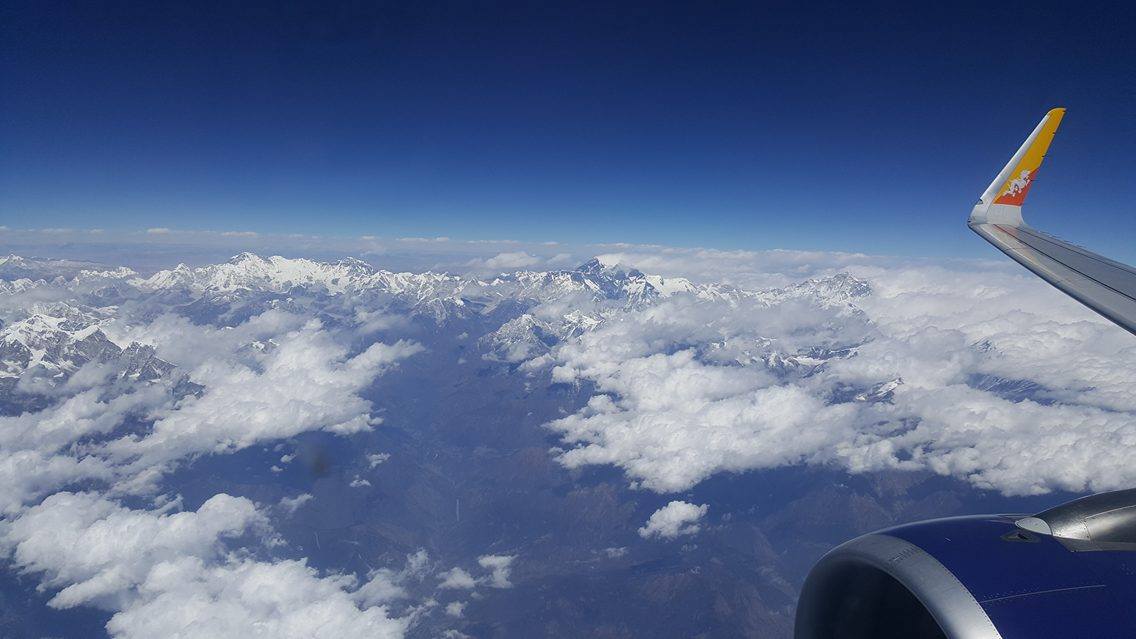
(838, 126)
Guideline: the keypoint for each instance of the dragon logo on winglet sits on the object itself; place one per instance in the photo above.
(1020, 184)
(1016, 189)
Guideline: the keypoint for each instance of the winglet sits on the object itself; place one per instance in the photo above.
(1002, 201)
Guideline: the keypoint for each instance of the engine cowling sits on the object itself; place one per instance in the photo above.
(1066, 572)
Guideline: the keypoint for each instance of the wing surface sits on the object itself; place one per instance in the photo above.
(1106, 286)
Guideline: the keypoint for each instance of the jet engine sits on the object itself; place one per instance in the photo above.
(1066, 572)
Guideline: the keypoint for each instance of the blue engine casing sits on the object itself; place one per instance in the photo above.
(980, 577)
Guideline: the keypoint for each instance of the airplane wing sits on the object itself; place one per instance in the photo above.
(1064, 572)
(1106, 286)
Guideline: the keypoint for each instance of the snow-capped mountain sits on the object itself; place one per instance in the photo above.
(520, 339)
(483, 395)
(45, 342)
(54, 347)
(15, 268)
(55, 339)
(249, 272)
(839, 289)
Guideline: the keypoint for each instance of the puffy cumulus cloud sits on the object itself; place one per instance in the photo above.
(1017, 447)
(191, 599)
(40, 451)
(745, 269)
(982, 374)
(306, 383)
(676, 421)
(518, 259)
(499, 567)
(98, 551)
(273, 376)
(169, 574)
(673, 520)
(192, 346)
(27, 475)
(90, 412)
(505, 261)
(457, 579)
(675, 405)
(291, 504)
(1033, 333)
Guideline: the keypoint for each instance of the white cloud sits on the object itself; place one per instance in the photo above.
(500, 567)
(922, 374)
(673, 520)
(168, 574)
(307, 383)
(38, 451)
(26, 475)
(455, 608)
(513, 260)
(672, 418)
(158, 231)
(688, 388)
(458, 579)
(190, 346)
(85, 414)
(292, 504)
(98, 552)
(190, 599)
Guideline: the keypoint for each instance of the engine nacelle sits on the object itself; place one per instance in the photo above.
(1067, 572)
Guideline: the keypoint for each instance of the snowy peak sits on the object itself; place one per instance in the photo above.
(602, 277)
(598, 267)
(841, 287)
(614, 281)
(14, 268)
(519, 339)
(249, 271)
(53, 347)
(52, 343)
(139, 362)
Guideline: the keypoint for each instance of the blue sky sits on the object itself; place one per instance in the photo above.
(735, 126)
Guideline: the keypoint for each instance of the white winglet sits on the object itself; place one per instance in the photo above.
(1106, 286)
(1001, 203)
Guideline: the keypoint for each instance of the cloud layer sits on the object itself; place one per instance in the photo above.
(989, 377)
(732, 362)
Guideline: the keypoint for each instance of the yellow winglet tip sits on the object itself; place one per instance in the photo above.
(1028, 160)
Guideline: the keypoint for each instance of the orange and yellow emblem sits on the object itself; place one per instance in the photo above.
(1014, 191)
